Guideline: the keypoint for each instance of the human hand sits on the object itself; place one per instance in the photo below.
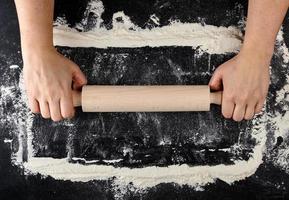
(49, 78)
(245, 82)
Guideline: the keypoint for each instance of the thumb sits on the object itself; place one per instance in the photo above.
(216, 80)
(78, 78)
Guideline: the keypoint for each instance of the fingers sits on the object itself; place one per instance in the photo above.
(55, 110)
(44, 108)
(33, 105)
(78, 77)
(66, 105)
(259, 106)
(216, 80)
(48, 80)
(250, 111)
(227, 106)
(237, 108)
(239, 112)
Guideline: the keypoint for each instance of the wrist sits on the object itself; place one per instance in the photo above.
(35, 44)
(29, 54)
(262, 55)
(260, 51)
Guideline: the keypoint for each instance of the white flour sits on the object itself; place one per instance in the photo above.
(151, 176)
(17, 117)
(280, 121)
(211, 39)
(141, 177)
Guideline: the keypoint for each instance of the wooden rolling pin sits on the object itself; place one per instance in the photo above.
(145, 98)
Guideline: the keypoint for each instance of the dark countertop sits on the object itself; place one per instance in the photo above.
(269, 182)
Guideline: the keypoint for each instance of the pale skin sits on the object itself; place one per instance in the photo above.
(50, 77)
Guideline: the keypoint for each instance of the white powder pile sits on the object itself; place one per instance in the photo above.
(211, 39)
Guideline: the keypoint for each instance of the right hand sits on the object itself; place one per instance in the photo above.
(49, 78)
(245, 81)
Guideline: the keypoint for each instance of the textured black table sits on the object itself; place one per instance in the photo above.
(126, 66)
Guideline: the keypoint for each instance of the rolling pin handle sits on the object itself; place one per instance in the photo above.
(216, 98)
(76, 97)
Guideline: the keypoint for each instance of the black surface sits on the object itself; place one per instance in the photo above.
(187, 137)
(269, 182)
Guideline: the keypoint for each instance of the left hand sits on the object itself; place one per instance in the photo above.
(245, 81)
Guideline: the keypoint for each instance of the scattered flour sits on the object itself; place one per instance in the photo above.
(155, 19)
(16, 116)
(211, 39)
(214, 40)
(151, 176)
(96, 8)
(282, 159)
(180, 174)
(280, 120)
(14, 67)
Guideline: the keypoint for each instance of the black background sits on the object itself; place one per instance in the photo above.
(268, 182)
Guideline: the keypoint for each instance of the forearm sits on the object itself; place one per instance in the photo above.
(263, 23)
(36, 24)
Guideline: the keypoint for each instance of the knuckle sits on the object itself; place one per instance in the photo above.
(229, 97)
(259, 96)
(263, 96)
(53, 95)
(32, 94)
(66, 94)
(52, 98)
(243, 98)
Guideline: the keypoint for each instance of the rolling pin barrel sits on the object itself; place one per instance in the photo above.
(145, 98)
